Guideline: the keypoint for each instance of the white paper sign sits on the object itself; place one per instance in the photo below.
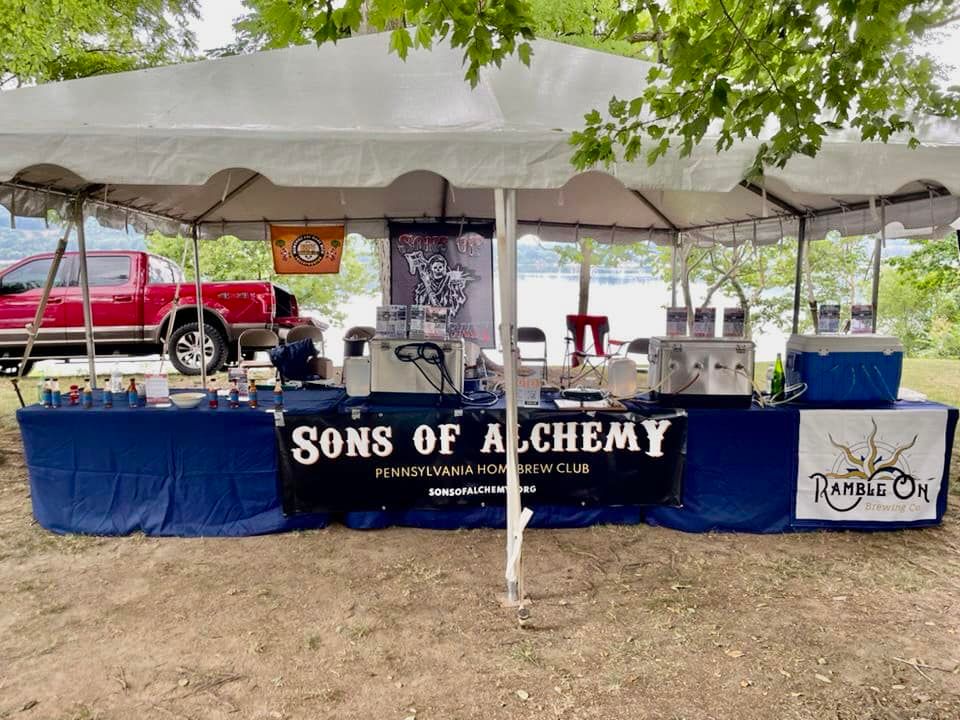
(870, 465)
(528, 391)
(157, 389)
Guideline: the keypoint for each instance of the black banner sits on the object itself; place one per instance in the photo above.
(451, 458)
(448, 265)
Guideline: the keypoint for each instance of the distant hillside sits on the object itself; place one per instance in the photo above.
(31, 237)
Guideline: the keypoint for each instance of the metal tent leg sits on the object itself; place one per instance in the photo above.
(85, 295)
(200, 325)
(505, 202)
(798, 277)
(879, 244)
(34, 328)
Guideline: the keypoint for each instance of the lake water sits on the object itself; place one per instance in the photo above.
(635, 307)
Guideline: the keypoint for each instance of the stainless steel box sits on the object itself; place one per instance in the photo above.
(390, 374)
(701, 371)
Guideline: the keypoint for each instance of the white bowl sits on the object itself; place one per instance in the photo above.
(188, 400)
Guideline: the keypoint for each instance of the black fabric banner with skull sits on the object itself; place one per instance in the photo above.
(448, 265)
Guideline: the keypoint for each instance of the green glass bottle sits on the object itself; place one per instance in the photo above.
(778, 380)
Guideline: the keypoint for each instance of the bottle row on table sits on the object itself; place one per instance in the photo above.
(50, 395)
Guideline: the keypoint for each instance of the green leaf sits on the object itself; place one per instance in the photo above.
(400, 42)
(525, 52)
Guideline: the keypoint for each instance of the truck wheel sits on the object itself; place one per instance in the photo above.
(184, 348)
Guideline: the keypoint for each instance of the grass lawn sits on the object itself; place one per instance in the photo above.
(937, 379)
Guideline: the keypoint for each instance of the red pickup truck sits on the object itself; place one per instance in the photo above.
(132, 299)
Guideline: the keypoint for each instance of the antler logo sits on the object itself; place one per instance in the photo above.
(866, 469)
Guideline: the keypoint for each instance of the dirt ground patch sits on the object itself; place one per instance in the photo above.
(627, 622)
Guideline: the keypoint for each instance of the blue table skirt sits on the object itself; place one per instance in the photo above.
(162, 471)
(165, 471)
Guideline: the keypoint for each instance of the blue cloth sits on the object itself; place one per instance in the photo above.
(740, 474)
(214, 472)
(162, 471)
(291, 359)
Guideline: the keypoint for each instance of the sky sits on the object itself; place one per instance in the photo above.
(215, 30)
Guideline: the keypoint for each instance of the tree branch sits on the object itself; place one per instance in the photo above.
(646, 36)
(735, 262)
(942, 23)
(756, 56)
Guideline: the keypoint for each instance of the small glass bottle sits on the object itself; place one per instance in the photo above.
(252, 395)
(57, 399)
(278, 395)
(87, 395)
(73, 397)
(108, 394)
(778, 380)
(212, 395)
(48, 392)
(233, 395)
(133, 397)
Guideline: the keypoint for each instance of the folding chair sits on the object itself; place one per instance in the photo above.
(252, 341)
(527, 335)
(593, 357)
(303, 332)
(639, 346)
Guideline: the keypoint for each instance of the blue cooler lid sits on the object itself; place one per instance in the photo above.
(827, 344)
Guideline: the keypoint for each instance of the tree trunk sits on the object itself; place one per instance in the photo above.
(745, 304)
(383, 261)
(683, 277)
(586, 254)
(688, 302)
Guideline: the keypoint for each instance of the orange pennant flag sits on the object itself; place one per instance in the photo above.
(307, 250)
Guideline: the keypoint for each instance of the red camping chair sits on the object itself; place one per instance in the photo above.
(592, 358)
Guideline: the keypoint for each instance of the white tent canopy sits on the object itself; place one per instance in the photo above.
(351, 132)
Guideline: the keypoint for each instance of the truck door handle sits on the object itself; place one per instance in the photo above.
(54, 301)
(123, 298)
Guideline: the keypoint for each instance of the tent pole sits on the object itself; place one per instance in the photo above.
(505, 202)
(199, 289)
(798, 277)
(85, 293)
(878, 245)
(34, 328)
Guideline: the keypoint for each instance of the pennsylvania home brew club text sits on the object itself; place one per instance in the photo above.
(591, 436)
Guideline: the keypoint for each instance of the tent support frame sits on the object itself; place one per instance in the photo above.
(772, 198)
(936, 191)
(798, 276)
(201, 330)
(33, 329)
(85, 291)
(880, 242)
(505, 202)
